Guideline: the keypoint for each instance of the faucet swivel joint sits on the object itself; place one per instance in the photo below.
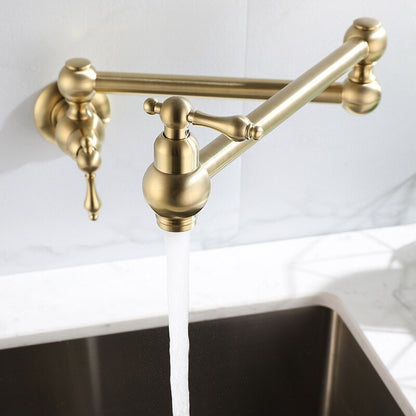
(176, 186)
(362, 92)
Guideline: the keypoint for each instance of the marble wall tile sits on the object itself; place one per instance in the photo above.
(325, 170)
(43, 223)
(322, 171)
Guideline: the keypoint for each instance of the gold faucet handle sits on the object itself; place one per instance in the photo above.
(89, 160)
(237, 128)
(177, 112)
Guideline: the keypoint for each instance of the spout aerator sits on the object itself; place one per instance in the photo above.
(176, 225)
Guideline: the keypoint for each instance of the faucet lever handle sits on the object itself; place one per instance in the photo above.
(177, 112)
(237, 128)
(89, 160)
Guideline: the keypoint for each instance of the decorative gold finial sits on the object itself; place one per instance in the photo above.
(76, 81)
(92, 201)
(89, 160)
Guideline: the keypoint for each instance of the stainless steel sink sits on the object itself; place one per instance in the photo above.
(300, 361)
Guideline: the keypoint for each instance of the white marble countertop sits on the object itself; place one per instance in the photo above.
(362, 268)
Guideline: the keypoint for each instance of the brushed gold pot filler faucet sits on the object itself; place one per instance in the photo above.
(73, 112)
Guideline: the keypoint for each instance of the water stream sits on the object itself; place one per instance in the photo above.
(177, 253)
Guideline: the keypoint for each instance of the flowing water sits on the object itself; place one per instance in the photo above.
(177, 253)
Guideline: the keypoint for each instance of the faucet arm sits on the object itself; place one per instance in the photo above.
(364, 44)
(202, 86)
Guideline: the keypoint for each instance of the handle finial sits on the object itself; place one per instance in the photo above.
(89, 160)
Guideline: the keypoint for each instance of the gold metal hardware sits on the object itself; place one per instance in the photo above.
(51, 106)
(70, 114)
(202, 86)
(175, 186)
(237, 128)
(362, 92)
(73, 114)
(362, 47)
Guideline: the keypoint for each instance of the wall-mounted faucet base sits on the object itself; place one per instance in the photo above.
(51, 105)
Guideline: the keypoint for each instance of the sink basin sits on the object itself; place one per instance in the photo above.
(298, 361)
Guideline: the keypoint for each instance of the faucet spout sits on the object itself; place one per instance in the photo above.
(175, 186)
